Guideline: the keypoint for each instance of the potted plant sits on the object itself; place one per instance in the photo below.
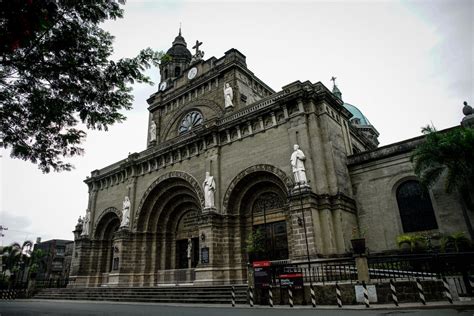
(415, 242)
(358, 240)
(255, 244)
(456, 241)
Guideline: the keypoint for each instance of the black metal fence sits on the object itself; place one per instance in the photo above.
(318, 271)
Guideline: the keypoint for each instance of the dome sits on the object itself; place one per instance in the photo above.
(357, 115)
(179, 50)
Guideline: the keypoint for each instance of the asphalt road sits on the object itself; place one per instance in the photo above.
(31, 307)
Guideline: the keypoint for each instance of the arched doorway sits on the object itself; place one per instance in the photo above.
(107, 225)
(259, 198)
(169, 217)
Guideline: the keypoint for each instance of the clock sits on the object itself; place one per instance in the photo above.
(192, 73)
(163, 86)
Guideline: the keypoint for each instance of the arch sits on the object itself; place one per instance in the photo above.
(285, 181)
(106, 222)
(415, 206)
(193, 105)
(160, 187)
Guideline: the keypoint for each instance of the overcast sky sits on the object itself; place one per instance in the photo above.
(405, 64)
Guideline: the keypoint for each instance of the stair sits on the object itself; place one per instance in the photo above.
(180, 294)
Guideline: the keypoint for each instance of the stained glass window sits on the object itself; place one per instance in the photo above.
(190, 121)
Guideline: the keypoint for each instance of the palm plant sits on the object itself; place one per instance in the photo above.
(414, 241)
(449, 154)
(15, 257)
(457, 240)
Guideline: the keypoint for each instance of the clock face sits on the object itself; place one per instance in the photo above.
(192, 73)
(163, 86)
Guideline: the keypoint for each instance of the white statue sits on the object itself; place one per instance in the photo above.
(152, 131)
(209, 186)
(125, 212)
(228, 96)
(86, 223)
(190, 248)
(297, 163)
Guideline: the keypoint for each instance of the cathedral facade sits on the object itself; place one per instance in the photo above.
(228, 156)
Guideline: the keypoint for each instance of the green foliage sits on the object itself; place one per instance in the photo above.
(56, 73)
(450, 153)
(413, 241)
(255, 242)
(456, 241)
(15, 254)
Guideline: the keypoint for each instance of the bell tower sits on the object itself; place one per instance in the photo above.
(176, 60)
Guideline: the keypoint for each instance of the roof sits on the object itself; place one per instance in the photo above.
(357, 114)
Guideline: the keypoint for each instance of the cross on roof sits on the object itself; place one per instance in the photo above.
(198, 43)
(333, 79)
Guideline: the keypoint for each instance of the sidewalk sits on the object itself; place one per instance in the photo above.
(463, 305)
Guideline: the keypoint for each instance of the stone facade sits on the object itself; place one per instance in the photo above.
(172, 239)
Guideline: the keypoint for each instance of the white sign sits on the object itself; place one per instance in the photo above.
(359, 290)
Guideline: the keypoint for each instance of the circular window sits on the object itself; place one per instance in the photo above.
(190, 121)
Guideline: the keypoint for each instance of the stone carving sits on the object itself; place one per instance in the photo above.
(297, 163)
(152, 131)
(190, 248)
(172, 174)
(209, 186)
(263, 167)
(86, 223)
(228, 96)
(199, 54)
(125, 213)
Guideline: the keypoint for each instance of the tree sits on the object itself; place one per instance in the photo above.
(15, 258)
(56, 73)
(448, 154)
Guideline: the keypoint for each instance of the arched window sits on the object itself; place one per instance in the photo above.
(177, 71)
(191, 120)
(166, 74)
(416, 210)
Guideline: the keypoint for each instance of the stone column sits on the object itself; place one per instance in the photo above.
(362, 268)
(211, 251)
(123, 261)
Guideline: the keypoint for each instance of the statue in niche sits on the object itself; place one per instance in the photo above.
(190, 248)
(228, 96)
(125, 213)
(86, 223)
(152, 131)
(297, 163)
(209, 186)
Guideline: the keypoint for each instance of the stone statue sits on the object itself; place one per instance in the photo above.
(209, 186)
(228, 96)
(152, 131)
(297, 163)
(190, 248)
(86, 223)
(125, 212)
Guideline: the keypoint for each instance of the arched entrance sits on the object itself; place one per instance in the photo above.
(169, 219)
(107, 225)
(259, 198)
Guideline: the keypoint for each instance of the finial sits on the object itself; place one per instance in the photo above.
(179, 28)
(467, 109)
(333, 79)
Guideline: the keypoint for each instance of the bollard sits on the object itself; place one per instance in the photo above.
(251, 296)
(366, 295)
(447, 292)
(233, 296)
(338, 296)
(421, 294)
(290, 296)
(313, 296)
(270, 295)
(394, 292)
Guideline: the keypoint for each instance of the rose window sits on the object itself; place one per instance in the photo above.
(190, 121)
